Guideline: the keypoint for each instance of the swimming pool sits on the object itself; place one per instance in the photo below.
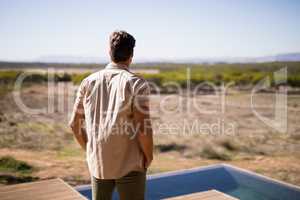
(234, 181)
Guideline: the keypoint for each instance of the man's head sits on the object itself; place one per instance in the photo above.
(121, 47)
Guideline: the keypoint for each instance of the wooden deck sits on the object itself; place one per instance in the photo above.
(207, 195)
(41, 190)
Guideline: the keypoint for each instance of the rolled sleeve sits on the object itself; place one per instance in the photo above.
(141, 91)
(78, 108)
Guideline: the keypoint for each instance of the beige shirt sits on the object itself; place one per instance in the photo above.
(108, 98)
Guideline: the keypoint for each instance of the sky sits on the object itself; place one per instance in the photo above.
(33, 29)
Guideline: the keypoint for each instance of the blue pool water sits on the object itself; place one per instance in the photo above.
(247, 193)
(225, 178)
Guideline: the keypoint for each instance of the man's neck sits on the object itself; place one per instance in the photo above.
(121, 64)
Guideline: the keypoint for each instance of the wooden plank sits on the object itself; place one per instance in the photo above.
(41, 190)
(207, 195)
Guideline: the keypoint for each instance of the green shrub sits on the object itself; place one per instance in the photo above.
(36, 78)
(170, 147)
(8, 163)
(8, 76)
(157, 79)
(64, 77)
(231, 145)
(294, 80)
(77, 78)
(211, 152)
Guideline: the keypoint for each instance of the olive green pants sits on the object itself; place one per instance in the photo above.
(129, 187)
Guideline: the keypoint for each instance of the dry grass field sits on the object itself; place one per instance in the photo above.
(41, 146)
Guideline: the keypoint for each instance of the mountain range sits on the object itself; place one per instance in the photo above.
(273, 58)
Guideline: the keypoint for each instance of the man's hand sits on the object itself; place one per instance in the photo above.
(148, 161)
(146, 144)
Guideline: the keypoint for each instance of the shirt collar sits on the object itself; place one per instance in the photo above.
(116, 66)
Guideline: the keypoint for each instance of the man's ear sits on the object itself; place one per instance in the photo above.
(109, 52)
(130, 59)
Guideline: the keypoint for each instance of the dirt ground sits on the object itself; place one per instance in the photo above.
(190, 131)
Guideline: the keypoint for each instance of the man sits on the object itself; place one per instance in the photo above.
(117, 136)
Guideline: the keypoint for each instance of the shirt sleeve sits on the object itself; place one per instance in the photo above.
(78, 104)
(141, 92)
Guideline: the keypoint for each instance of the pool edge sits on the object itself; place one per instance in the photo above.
(212, 166)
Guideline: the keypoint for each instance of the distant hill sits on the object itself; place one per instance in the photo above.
(70, 59)
(288, 57)
(84, 60)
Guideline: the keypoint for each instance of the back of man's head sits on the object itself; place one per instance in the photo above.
(121, 46)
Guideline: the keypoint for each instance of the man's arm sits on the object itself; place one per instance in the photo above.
(77, 118)
(143, 124)
(79, 132)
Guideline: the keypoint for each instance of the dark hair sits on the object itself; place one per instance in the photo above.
(121, 46)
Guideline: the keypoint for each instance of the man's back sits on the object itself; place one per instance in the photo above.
(108, 100)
